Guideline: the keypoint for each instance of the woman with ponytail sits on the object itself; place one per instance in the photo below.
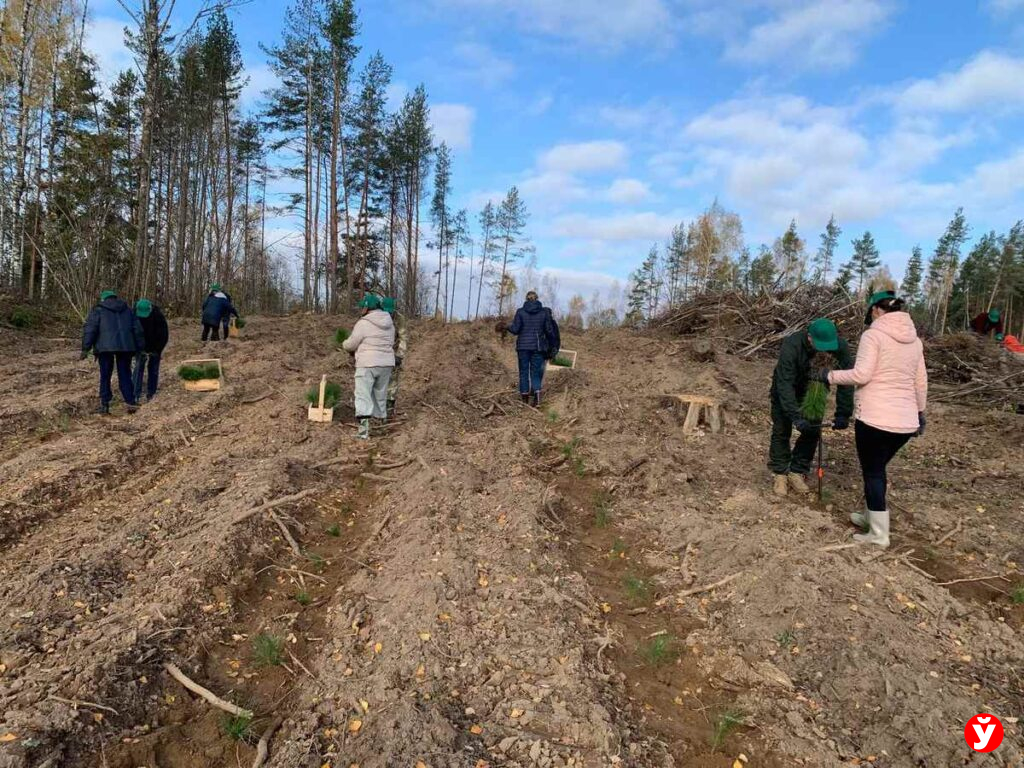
(891, 393)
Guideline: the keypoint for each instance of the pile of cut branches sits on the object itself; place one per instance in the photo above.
(965, 367)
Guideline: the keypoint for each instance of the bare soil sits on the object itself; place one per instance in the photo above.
(485, 584)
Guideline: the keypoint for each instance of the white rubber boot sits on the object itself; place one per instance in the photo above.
(860, 519)
(878, 523)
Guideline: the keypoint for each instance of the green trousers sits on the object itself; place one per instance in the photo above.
(781, 458)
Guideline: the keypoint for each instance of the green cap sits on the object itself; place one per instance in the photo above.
(881, 295)
(824, 336)
(214, 286)
(143, 308)
(1000, 336)
(994, 315)
(107, 295)
(370, 301)
(387, 304)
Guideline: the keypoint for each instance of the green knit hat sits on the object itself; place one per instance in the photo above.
(107, 295)
(824, 335)
(143, 308)
(387, 304)
(214, 287)
(994, 315)
(880, 296)
(370, 301)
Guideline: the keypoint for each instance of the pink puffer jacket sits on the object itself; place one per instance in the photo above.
(890, 376)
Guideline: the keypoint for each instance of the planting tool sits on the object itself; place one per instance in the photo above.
(321, 414)
(562, 353)
(204, 385)
(821, 470)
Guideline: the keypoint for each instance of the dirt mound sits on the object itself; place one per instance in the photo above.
(486, 584)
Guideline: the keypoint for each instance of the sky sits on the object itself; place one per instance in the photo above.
(618, 120)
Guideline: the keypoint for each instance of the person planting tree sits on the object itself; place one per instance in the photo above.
(892, 392)
(114, 334)
(401, 347)
(537, 341)
(156, 334)
(216, 310)
(988, 324)
(372, 342)
(791, 407)
(229, 313)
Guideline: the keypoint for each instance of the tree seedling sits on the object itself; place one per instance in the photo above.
(562, 362)
(725, 724)
(571, 451)
(239, 323)
(618, 547)
(317, 562)
(334, 530)
(268, 650)
(236, 727)
(638, 590)
(815, 402)
(303, 597)
(786, 639)
(332, 394)
(341, 336)
(659, 650)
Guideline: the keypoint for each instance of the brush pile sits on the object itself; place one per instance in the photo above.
(967, 367)
(749, 325)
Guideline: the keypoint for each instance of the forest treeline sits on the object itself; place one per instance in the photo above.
(158, 185)
(162, 182)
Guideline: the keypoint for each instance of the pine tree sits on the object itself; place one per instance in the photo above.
(441, 215)
(826, 251)
(844, 279)
(510, 223)
(911, 286)
(676, 256)
(865, 259)
(488, 227)
(790, 256)
(762, 271)
(944, 266)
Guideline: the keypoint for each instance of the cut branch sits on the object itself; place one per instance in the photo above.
(211, 697)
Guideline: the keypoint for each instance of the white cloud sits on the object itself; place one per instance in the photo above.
(540, 105)
(104, 39)
(551, 189)
(988, 80)
(584, 157)
(471, 64)
(823, 34)
(453, 123)
(626, 191)
(1003, 7)
(597, 23)
(644, 226)
(999, 179)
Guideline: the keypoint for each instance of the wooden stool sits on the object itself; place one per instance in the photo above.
(697, 406)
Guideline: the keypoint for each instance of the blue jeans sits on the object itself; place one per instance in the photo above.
(531, 371)
(123, 362)
(144, 360)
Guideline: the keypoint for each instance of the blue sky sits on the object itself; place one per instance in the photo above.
(618, 120)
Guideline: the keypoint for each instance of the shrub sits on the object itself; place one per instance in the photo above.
(332, 394)
(24, 317)
(199, 372)
(341, 336)
(815, 402)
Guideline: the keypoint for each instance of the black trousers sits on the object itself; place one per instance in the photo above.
(215, 329)
(782, 459)
(875, 449)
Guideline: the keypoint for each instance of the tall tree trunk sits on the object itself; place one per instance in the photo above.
(332, 262)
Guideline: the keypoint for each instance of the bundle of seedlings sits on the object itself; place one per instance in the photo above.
(561, 362)
(239, 322)
(341, 336)
(332, 395)
(199, 372)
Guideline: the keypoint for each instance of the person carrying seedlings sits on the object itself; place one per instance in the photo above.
(114, 334)
(216, 310)
(231, 312)
(892, 392)
(789, 390)
(537, 341)
(401, 347)
(989, 323)
(154, 329)
(373, 344)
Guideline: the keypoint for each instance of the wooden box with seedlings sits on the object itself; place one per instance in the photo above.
(201, 375)
(564, 360)
(322, 400)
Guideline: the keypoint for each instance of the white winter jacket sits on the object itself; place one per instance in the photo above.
(373, 340)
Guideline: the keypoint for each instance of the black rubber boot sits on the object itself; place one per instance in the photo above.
(103, 410)
(525, 399)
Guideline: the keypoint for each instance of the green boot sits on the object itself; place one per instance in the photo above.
(363, 432)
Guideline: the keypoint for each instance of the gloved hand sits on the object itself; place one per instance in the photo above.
(921, 424)
(841, 422)
(820, 375)
(398, 362)
(85, 354)
(500, 327)
(804, 427)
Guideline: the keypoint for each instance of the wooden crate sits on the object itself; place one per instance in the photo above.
(563, 353)
(205, 385)
(320, 414)
(233, 329)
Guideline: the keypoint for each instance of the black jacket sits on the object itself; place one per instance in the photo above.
(789, 382)
(155, 330)
(535, 328)
(112, 327)
(215, 308)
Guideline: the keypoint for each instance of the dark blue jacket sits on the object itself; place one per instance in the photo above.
(155, 330)
(215, 308)
(535, 328)
(112, 327)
